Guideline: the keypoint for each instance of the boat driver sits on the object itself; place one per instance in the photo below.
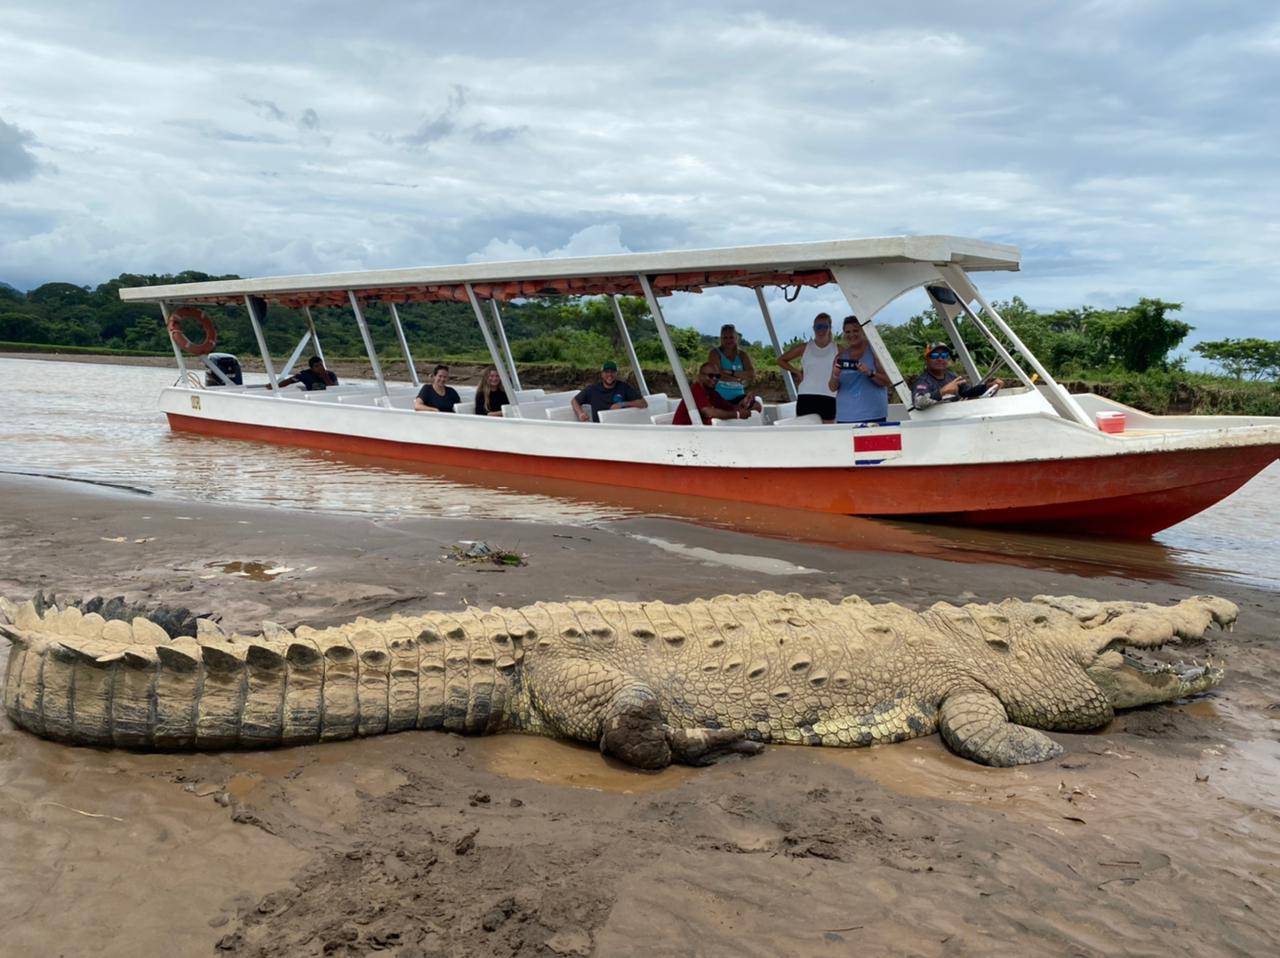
(938, 383)
(315, 376)
(609, 393)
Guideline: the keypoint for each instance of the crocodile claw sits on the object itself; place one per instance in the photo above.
(702, 746)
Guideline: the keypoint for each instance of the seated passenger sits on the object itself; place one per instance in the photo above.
(711, 405)
(609, 393)
(939, 384)
(734, 365)
(437, 395)
(315, 376)
(490, 396)
(861, 386)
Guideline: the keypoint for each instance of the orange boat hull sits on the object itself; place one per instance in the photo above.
(1123, 495)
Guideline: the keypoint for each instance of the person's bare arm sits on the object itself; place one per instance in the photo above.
(715, 412)
(420, 406)
(784, 361)
(879, 377)
(578, 410)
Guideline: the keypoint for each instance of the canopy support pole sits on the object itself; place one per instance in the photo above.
(315, 337)
(368, 346)
(946, 316)
(262, 345)
(1059, 398)
(999, 347)
(507, 386)
(628, 345)
(177, 353)
(777, 346)
(677, 369)
(506, 346)
(295, 355)
(404, 344)
(870, 289)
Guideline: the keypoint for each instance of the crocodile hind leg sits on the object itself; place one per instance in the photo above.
(598, 703)
(975, 725)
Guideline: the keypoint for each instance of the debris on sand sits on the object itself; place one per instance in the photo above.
(478, 552)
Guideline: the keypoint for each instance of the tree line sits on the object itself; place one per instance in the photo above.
(1137, 338)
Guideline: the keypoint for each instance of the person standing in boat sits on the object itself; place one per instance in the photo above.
(860, 385)
(315, 376)
(736, 370)
(437, 395)
(609, 393)
(813, 394)
(491, 397)
(938, 383)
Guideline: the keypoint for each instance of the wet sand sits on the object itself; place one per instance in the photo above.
(1158, 835)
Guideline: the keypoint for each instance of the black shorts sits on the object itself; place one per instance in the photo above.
(824, 406)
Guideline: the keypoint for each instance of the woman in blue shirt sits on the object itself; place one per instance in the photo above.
(736, 370)
(862, 387)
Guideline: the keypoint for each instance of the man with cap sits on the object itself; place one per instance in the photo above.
(939, 384)
(609, 393)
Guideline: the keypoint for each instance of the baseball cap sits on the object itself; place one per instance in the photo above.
(610, 366)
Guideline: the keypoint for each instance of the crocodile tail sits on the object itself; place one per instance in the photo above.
(97, 682)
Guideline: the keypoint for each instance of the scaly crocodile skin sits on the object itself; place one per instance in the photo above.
(651, 683)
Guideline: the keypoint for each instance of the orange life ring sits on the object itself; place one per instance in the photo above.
(179, 338)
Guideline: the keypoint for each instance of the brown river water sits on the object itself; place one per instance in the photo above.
(99, 423)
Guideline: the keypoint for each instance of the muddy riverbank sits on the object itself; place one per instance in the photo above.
(1160, 834)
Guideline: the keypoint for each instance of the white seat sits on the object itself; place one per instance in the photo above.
(658, 403)
(562, 413)
(786, 410)
(756, 419)
(808, 419)
(663, 419)
(628, 414)
(530, 395)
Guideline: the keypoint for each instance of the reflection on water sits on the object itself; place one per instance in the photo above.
(100, 422)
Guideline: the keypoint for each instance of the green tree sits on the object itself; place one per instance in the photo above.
(1252, 357)
(1139, 337)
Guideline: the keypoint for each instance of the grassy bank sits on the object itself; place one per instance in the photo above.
(1180, 393)
(7, 347)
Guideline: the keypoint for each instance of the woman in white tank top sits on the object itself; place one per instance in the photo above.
(816, 357)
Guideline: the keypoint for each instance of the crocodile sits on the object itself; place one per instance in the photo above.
(650, 683)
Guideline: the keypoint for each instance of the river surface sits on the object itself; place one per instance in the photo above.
(100, 423)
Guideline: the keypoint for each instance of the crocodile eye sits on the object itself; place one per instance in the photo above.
(998, 642)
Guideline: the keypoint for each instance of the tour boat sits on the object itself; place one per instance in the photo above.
(1032, 455)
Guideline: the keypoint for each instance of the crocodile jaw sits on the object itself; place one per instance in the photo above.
(1128, 683)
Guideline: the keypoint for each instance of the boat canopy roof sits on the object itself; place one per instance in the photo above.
(791, 264)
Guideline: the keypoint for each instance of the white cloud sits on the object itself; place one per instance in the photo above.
(1128, 149)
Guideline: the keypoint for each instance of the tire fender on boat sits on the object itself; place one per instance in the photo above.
(179, 338)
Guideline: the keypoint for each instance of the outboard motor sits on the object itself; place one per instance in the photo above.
(230, 367)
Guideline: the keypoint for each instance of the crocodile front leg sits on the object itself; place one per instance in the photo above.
(592, 702)
(975, 725)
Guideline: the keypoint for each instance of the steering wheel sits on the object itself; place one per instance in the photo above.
(995, 388)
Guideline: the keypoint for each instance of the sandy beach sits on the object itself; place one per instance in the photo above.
(1158, 835)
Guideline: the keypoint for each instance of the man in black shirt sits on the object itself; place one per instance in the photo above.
(609, 393)
(939, 384)
(437, 395)
(315, 376)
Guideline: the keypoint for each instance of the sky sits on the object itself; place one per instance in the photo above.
(1128, 148)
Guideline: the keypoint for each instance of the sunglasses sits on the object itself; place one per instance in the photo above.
(940, 355)
(818, 327)
(713, 375)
